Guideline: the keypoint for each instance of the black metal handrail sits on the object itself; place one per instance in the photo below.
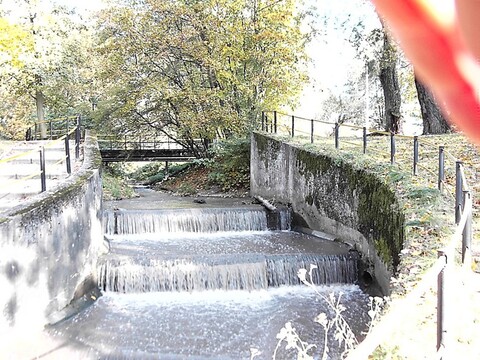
(55, 138)
(271, 123)
(55, 128)
(112, 142)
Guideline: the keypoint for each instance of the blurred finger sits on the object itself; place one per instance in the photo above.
(430, 40)
(468, 12)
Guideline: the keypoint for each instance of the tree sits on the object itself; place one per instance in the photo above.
(192, 69)
(375, 84)
(15, 43)
(433, 120)
(45, 73)
(390, 84)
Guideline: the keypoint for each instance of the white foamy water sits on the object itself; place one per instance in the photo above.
(209, 324)
(230, 261)
(185, 220)
(211, 283)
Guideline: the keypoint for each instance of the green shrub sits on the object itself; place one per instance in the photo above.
(154, 172)
(231, 166)
(115, 188)
(186, 190)
(147, 171)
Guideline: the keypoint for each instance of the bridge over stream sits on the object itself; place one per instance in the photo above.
(130, 148)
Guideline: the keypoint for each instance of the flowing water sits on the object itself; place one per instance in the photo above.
(211, 284)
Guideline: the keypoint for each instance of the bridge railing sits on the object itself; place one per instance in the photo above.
(451, 179)
(56, 137)
(112, 142)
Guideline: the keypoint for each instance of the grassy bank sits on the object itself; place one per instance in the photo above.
(430, 222)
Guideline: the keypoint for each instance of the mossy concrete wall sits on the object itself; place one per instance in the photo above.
(332, 196)
(49, 247)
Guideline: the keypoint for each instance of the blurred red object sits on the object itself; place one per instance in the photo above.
(444, 47)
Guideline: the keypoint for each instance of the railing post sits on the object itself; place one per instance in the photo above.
(77, 139)
(467, 230)
(415, 155)
(67, 154)
(441, 303)
(441, 168)
(115, 226)
(35, 135)
(125, 142)
(68, 125)
(43, 178)
(336, 131)
(311, 131)
(266, 123)
(364, 140)
(51, 129)
(275, 121)
(392, 148)
(293, 126)
(263, 119)
(458, 191)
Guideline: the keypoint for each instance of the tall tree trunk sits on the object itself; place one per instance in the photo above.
(39, 97)
(433, 120)
(40, 103)
(390, 84)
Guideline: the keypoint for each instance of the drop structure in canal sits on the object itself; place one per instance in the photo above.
(212, 283)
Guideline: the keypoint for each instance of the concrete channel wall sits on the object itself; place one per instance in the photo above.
(49, 248)
(331, 196)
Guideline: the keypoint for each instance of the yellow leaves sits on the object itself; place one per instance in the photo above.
(15, 44)
(212, 65)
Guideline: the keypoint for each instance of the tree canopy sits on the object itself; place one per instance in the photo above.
(186, 69)
(42, 51)
(197, 69)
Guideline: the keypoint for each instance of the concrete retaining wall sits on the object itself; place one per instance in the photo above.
(331, 196)
(49, 248)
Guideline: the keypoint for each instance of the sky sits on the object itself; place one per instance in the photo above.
(333, 57)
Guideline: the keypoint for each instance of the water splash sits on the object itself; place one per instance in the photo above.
(222, 272)
(207, 324)
(207, 220)
(185, 220)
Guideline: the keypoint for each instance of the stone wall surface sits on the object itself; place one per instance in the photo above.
(332, 196)
(49, 247)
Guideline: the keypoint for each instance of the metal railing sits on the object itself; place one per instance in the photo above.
(436, 275)
(112, 142)
(55, 138)
(295, 126)
(54, 128)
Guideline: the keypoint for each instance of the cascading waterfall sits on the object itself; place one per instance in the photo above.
(252, 272)
(285, 219)
(228, 263)
(185, 220)
(211, 283)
